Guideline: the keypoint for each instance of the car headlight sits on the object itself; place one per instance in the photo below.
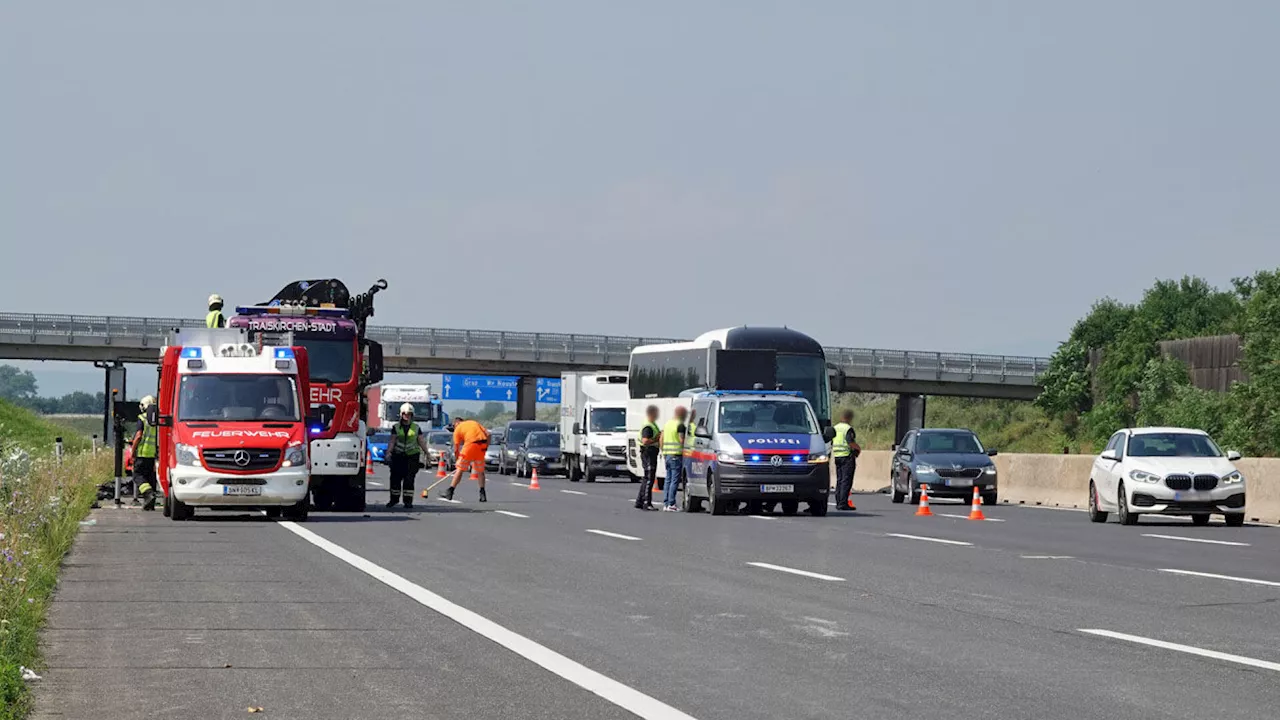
(990, 470)
(923, 469)
(186, 455)
(818, 457)
(433, 454)
(598, 450)
(725, 457)
(536, 457)
(1233, 479)
(295, 456)
(1143, 476)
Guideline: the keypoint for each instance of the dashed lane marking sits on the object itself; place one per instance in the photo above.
(928, 539)
(612, 535)
(966, 517)
(1214, 654)
(573, 492)
(510, 514)
(1214, 576)
(1195, 540)
(794, 571)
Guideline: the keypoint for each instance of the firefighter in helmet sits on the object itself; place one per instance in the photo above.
(404, 454)
(215, 319)
(144, 453)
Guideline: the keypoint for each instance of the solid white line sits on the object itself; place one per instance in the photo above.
(930, 539)
(1239, 659)
(1048, 557)
(1195, 540)
(965, 517)
(793, 571)
(615, 692)
(512, 514)
(613, 535)
(573, 492)
(1251, 581)
(1051, 507)
(762, 517)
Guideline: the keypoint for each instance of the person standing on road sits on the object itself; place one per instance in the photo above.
(673, 439)
(404, 454)
(650, 437)
(215, 319)
(470, 442)
(845, 450)
(144, 453)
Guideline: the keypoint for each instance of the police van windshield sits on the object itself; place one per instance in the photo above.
(608, 420)
(237, 398)
(329, 360)
(766, 416)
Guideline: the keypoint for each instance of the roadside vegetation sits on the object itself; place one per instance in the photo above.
(1007, 425)
(42, 502)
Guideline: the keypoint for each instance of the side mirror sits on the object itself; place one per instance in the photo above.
(904, 453)
(1111, 455)
(375, 370)
(828, 433)
(992, 452)
(1232, 455)
(167, 421)
(702, 432)
(577, 429)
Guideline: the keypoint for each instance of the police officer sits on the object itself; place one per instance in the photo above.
(215, 319)
(144, 453)
(845, 450)
(650, 437)
(404, 454)
(673, 440)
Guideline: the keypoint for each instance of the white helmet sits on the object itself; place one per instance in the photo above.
(147, 402)
(406, 408)
(215, 299)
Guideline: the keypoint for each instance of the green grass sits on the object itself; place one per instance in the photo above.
(1007, 425)
(78, 425)
(35, 434)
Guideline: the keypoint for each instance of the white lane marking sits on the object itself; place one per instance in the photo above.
(573, 492)
(793, 571)
(1214, 576)
(454, 502)
(762, 517)
(1239, 659)
(613, 535)
(1051, 507)
(513, 482)
(930, 539)
(1048, 557)
(1195, 540)
(512, 514)
(965, 517)
(374, 484)
(584, 677)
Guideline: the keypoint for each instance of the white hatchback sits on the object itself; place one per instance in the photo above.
(1165, 471)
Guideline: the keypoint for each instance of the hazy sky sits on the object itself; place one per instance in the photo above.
(941, 175)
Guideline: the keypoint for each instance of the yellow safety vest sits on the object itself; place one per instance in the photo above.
(147, 445)
(214, 319)
(671, 438)
(840, 446)
(406, 440)
(652, 426)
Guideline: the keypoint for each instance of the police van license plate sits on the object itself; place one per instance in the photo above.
(241, 489)
(777, 488)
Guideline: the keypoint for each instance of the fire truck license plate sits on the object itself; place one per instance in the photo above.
(241, 489)
(778, 488)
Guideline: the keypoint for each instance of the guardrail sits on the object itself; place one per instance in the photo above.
(550, 348)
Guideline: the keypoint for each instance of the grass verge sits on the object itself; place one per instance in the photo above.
(42, 504)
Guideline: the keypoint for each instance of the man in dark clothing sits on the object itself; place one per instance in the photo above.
(404, 454)
(845, 450)
(649, 438)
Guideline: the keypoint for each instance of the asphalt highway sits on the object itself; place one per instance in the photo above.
(566, 602)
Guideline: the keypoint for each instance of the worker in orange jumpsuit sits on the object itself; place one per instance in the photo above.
(470, 441)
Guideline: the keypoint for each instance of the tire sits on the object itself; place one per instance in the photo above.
(715, 505)
(1234, 519)
(818, 506)
(1200, 519)
(790, 507)
(322, 497)
(296, 513)
(914, 494)
(990, 498)
(895, 496)
(588, 475)
(689, 503)
(1125, 515)
(575, 473)
(168, 509)
(273, 513)
(181, 511)
(1095, 508)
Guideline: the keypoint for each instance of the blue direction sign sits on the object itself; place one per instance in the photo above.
(549, 390)
(479, 387)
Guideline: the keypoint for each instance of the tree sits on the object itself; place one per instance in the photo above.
(17, 385)
(1257, 408)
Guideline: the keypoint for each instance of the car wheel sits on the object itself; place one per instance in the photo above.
(990, 498)
(689, 503)
(715, 505)
(1200, 519)
(1234, 519)
(790, 507)
(1126, 516)
(818, 506)
(1095, 506)
(180, 511)
(588, 475)
(894, 495)
(913, 493)
(575, 474)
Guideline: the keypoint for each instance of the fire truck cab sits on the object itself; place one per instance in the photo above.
(232, 430)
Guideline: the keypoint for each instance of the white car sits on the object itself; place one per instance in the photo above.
(1165, 471)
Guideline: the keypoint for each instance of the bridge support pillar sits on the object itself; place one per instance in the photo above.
(909, 416)
(527, 399)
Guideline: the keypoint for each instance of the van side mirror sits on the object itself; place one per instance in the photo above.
(702, 432)
(1232, 455)
(992, 452)
(375, 369)
(577, 429)
(167, 421)
(828, 433)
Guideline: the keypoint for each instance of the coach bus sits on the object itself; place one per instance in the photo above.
(740, 358)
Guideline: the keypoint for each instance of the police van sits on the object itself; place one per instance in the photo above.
(760, 447)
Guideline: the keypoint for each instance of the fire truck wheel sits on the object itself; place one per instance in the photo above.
(180, 511)
(168, 508)
(322, 498)
(273, 512)
(296, 513)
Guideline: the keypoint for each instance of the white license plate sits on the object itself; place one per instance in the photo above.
(777, 488)
(241, 489)
(958, 482)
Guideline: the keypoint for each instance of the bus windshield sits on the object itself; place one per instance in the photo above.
(331, 361)
(806, 374)
(237, 398)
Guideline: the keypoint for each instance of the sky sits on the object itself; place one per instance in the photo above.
(947, 175)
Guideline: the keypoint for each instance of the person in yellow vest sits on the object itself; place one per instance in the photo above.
(845, 450)
(404, 454)
(144, 453)
(673, 441)
(215, 319)
(650, 438)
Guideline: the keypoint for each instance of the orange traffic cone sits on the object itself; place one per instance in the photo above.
(976, 512)
(475, 474)
(368, 462)
(533, 483)
(440, 471)
(924, 510)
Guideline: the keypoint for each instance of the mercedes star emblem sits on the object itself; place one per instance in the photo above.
(241, 458)
(776, 460)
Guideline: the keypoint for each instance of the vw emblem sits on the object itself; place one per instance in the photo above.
(241, 458)
(776, 460)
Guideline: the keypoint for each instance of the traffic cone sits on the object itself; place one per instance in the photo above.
(475, 474)
(533, 483)
(440, 471)
(924, 510)
(976, 512)
(368, 462)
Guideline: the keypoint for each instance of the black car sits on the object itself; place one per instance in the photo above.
(513, 436)
(952, 462)
(541, 451)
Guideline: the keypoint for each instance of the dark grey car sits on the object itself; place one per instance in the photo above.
(952, 462)
(513, 437)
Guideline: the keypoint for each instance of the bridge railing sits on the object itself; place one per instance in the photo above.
(552, 348)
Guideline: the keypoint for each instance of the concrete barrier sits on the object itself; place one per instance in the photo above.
(1063, 480)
